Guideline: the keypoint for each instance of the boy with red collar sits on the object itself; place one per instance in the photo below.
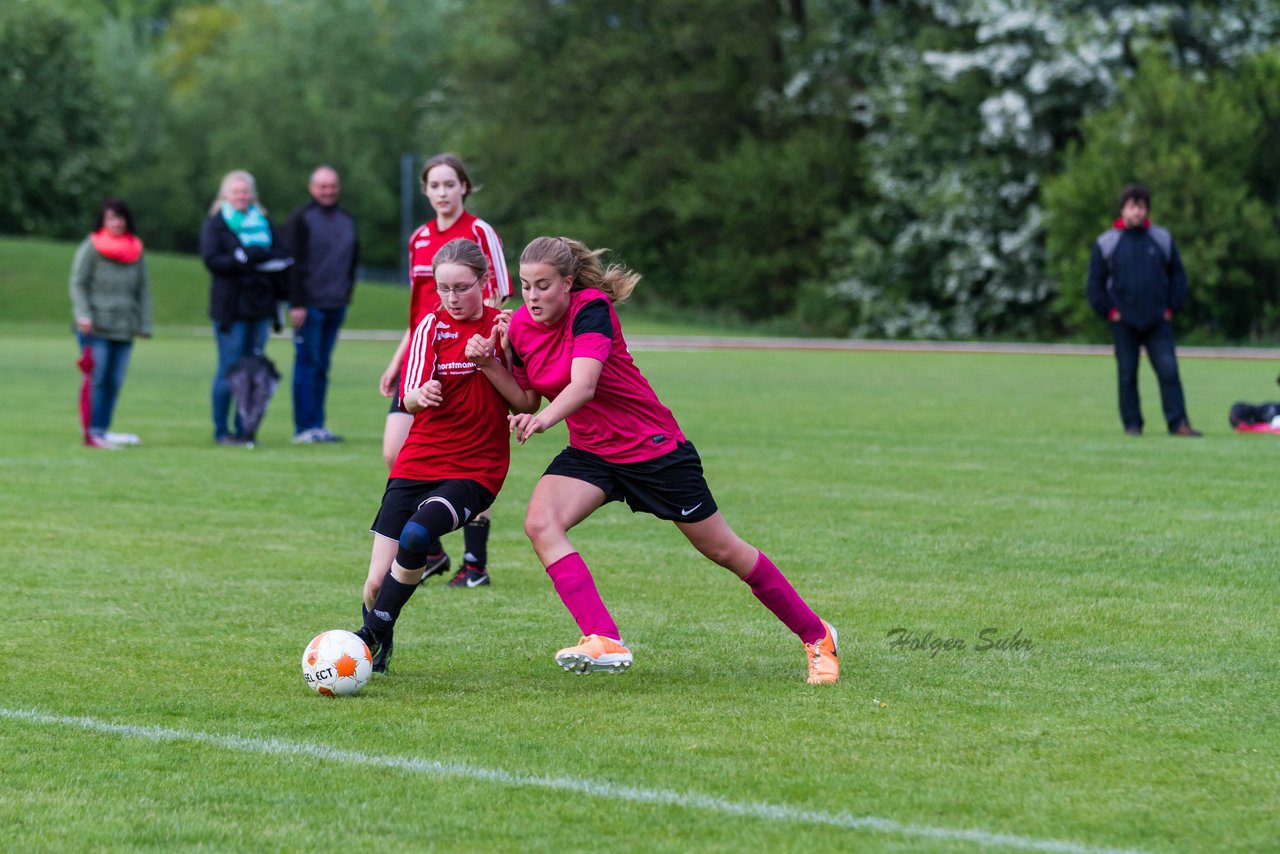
(1137, 283)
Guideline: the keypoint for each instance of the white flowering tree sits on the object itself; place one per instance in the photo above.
(967, 107)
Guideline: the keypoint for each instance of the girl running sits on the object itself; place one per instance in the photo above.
(446, 185)
(456, 454)
(624, 445)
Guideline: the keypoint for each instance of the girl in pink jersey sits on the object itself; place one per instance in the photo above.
(624, 445)
(446, 185)
(456, 455)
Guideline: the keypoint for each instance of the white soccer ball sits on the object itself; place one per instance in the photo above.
(336, 663)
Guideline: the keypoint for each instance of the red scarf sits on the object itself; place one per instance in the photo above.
(1119, 223)
(125, 249)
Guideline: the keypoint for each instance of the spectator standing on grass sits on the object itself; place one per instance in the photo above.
(110, 305)
(322, 240)
(446, 184)
(624, 445)
(1137, 284)
(455, 458)
(246, 257)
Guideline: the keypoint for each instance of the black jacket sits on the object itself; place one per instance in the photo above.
(239, 291)
(1140, 280)
(326, 254)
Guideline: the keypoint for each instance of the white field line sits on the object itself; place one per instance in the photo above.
(575, 785)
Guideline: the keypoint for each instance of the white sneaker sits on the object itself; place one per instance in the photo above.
(123, 438)
(101, 442)
(306, 437)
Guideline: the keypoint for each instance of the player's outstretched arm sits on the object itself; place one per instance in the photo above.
(391, 376)
(584, 373)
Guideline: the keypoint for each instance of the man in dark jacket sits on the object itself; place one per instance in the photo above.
(1137, 283)
(322, 238)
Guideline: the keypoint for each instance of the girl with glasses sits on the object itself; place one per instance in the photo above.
(447, 186)
(457, 450)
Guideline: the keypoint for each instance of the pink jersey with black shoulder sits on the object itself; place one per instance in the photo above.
(429, 239)
(466, 437)
(625, 422)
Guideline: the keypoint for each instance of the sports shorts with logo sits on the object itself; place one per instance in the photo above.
(670, 487)
(404, 496)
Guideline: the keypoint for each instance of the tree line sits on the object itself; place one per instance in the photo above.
(919, 168)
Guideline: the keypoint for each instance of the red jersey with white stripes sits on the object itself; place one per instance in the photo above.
(625, 422)
(429, 239)
(466, 436)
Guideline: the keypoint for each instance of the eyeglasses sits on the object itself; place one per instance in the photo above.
(460, 290)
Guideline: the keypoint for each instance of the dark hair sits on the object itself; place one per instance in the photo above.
(572, 258)
(454, 163)
(118, 207)
(466, 253)
(1134, 193)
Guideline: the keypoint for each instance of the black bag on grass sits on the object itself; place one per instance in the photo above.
(1253, 413)
(253, 381)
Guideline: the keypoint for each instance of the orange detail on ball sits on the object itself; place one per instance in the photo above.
(346, 665)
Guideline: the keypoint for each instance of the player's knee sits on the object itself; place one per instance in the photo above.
(731, 552)
(719, 553)
(539, 524)
(415, 542)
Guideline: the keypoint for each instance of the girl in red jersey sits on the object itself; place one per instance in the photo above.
(447, 185)
(624, 445)
(456, 455)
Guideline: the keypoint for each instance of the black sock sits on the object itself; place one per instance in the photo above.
(386, 608)
(475, 538)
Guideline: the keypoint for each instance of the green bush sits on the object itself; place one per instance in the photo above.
(56, 158)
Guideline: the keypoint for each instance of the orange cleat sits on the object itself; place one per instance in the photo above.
(824, 668)
(595, 654)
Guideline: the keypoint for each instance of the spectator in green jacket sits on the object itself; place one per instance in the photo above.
(111, 305)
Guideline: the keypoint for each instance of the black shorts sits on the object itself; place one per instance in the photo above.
(670, 487)
(404, 496)
(397, 406)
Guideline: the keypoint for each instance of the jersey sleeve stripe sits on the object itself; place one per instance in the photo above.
(421, 355)
(492, 245)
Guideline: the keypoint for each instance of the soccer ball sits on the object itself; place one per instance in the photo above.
(336, 663)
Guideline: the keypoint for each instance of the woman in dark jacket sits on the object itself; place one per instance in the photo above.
(246, 256)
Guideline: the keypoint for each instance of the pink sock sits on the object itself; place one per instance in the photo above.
(773, 590)
(577, 590)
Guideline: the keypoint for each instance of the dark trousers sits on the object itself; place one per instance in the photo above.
(313, 344)
(1158, 342)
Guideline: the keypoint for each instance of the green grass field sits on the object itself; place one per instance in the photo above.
(159, 597)
(34, 274)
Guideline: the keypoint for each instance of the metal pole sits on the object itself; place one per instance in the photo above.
(408, 192)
